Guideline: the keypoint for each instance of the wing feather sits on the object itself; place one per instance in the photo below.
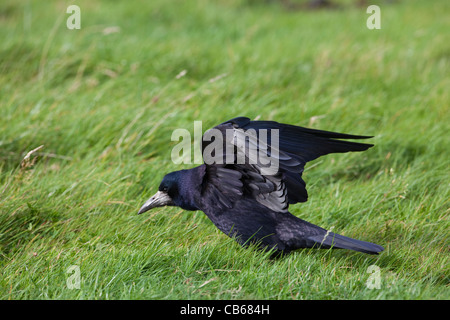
(245, 174)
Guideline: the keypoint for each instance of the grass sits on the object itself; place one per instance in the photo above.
(104, 100)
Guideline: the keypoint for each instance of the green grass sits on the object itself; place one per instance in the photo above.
(104, 100)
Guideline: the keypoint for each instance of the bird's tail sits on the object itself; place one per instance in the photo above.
(337, 241)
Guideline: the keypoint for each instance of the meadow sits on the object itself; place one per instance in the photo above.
(97, 106)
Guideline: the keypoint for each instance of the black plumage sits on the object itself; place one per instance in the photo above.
(247, 202)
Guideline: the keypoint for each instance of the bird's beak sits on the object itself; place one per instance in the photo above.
(160, 199)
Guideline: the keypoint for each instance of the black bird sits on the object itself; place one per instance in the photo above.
(246, 200)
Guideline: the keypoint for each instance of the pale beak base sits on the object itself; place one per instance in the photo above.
(160, 199)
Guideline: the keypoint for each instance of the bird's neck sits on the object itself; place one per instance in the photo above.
(190, 186)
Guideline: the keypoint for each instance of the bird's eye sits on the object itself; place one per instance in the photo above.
(164, 188)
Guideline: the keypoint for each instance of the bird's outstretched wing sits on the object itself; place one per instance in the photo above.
(239, 171)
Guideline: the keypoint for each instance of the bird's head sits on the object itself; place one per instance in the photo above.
(167, 195)
(177, 188)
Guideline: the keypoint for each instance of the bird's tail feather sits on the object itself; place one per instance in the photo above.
(337, 241)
